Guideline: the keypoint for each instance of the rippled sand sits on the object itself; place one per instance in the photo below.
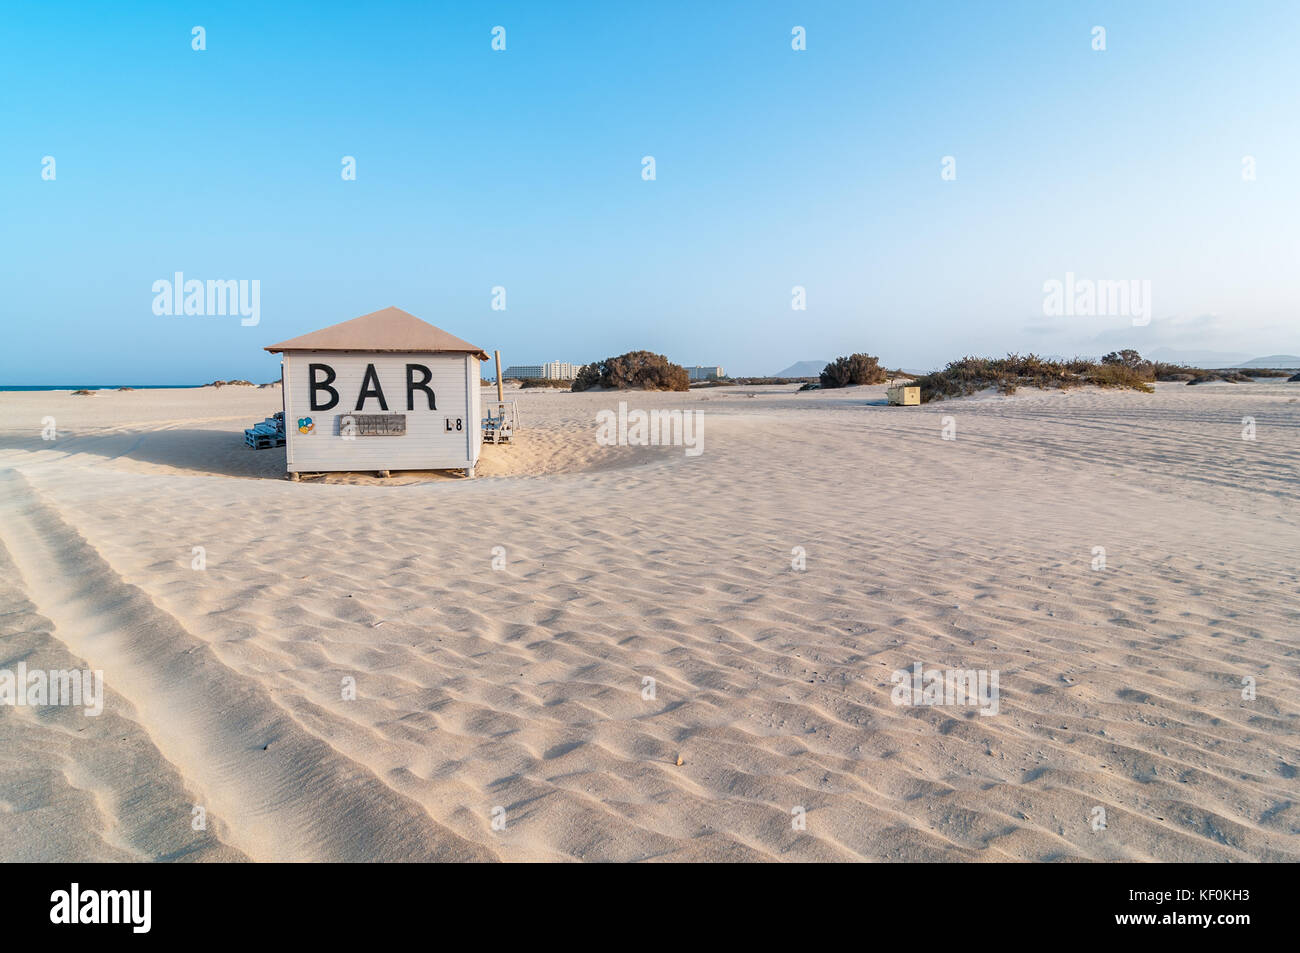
(504, 714)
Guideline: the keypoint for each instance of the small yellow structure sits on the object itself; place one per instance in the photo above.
(904, 395)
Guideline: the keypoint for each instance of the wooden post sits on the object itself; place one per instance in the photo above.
(500, 394)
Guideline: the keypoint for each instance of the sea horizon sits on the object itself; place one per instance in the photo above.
(18, 387)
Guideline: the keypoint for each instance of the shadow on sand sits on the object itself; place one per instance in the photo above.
(205, 452)
(201, 453)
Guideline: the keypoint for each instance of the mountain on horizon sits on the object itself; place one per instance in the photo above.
(803, 369)
(1213, 359)
(1197, 358)
(1274, 361)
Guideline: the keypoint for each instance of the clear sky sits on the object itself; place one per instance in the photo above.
(774, 168)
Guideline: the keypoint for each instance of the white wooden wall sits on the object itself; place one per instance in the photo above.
(426, 445)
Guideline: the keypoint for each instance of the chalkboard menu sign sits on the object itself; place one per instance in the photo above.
(372, 425)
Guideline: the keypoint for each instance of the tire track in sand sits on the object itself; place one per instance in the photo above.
(284, 793)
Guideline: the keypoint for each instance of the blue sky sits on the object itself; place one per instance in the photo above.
(522, 169)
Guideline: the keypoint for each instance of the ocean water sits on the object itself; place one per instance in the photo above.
(4, 387)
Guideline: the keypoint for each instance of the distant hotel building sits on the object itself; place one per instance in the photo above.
(702, 373)
(554, 371)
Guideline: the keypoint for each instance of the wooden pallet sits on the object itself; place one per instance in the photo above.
(263, 441)
(265, 435)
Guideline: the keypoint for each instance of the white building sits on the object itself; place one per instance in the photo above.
(554, 371)
(702, 373)
(561, 370)
(385, 391)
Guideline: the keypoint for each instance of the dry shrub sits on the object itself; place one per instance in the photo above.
(1130, 359)
(1174, 372)
(635, 370)
(853, 370)
(1199, 375)
(1121, 375)
(1006, 374)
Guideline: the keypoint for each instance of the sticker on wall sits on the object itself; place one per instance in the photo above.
(305, 425)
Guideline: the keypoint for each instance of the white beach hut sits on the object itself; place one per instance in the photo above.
(385, 391)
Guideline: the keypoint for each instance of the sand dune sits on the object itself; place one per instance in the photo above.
(521, 690)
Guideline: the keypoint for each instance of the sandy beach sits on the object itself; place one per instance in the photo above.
(503, 713)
